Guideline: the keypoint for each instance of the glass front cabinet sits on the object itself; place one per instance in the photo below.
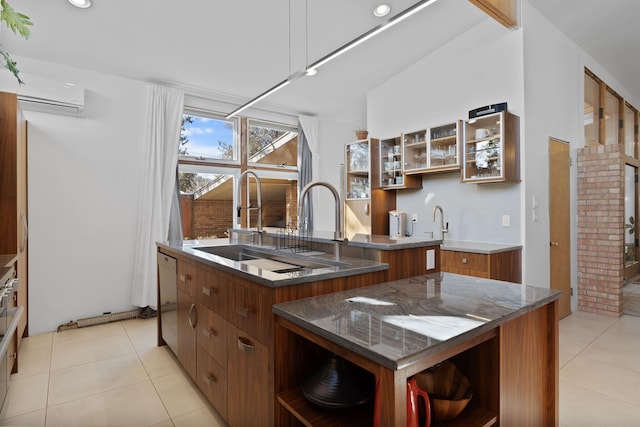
(491, 149)
(432, 150)
(357, 167)
(392, 176)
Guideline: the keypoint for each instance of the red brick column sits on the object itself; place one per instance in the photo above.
(600, 229)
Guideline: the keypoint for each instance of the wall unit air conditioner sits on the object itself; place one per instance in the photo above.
(50, 96)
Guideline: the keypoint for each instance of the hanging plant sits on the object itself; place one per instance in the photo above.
(19, 24)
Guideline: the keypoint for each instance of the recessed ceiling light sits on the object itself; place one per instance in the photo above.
(81, 3)
(382, 10)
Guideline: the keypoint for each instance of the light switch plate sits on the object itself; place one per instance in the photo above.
(506, 220)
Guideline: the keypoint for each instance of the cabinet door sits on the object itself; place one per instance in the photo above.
(250, 398)
(212, 287)
(212, 334)
(212, 380)
(250, 310)
(490, 149)
(187, 323)
(187, 278)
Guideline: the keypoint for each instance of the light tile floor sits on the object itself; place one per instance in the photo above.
(107, 375)
(115, 375)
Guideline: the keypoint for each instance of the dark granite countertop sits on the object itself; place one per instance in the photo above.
(477, 247)
(398, 323)
(386, 243)
(330, 268)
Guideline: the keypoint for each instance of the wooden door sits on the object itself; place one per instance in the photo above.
(559, 223)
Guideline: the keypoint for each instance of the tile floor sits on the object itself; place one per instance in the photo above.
(114, 375)
(107, 375)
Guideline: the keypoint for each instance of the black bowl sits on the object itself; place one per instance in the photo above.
(339, 384)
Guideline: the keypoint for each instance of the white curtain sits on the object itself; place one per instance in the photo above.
(161, 138)
(307, 164)
(309, 125)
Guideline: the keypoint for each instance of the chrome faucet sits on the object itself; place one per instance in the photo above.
(337, 233)
(259, 195)
(444, 229)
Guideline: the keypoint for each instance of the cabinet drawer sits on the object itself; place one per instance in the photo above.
(212, 290)
(212, 380)
(186, 278)
(251, 400)
(465, 263)
(212, 334)
(250, 310)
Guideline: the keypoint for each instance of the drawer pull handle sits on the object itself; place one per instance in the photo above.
(209, 378)
(193, 317)
(464, 260)
(209, 332)
(209, 291)
(185, 277)
(242, 311)
(245, 345)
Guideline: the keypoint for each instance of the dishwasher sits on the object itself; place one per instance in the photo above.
(168, 300)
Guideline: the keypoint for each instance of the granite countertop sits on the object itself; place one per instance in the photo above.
(398, 323)
(386, 243)
(326, 266)
(477, 247)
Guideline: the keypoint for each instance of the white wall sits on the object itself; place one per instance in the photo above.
(83, 179)
(554, 93)
(482, 66)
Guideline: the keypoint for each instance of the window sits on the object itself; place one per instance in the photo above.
(630, 130)
(612, 117)
(591, 110)
(210, 165)
(207, 137)
(272, 144)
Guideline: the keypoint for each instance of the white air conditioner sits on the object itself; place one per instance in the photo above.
(50, 96)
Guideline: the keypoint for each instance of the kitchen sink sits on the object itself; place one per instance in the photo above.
(276, 263)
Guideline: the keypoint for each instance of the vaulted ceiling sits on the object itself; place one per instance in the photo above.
(235, 50)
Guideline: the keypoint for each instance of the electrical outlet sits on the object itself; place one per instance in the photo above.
(414, 218)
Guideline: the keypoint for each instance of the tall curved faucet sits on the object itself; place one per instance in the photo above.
(444, 229)
(259, 191)
(337, 233)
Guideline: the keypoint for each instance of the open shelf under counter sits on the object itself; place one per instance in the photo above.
(505, 343)
(313, 416)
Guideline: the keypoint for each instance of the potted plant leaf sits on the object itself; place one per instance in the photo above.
(18, 23)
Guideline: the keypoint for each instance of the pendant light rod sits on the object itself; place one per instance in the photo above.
(312, 69)
(258, 98)
(396, 19)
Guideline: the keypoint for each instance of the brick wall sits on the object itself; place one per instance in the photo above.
(600, 229)
(211, 218)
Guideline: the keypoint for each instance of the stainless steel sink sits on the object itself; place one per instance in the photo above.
(276, 263)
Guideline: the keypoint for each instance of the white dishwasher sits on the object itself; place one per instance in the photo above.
(168, 300)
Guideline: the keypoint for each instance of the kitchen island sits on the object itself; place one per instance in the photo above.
(503, 336)
(221, 295)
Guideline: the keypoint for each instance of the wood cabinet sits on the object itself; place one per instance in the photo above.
(13, 206)
(366, 206)
(226, 337)
(187, 323)
(249, 381)
(491, 149)
(505, 265)
(392, 176)
(433, 150)
(513, 369)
